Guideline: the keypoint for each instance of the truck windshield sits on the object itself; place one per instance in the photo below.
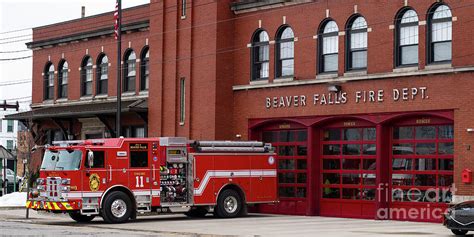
(61, 160)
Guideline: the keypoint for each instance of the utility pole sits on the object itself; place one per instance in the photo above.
(118, 34)
(6, 106)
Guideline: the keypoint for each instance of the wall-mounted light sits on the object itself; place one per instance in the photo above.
(334, 88)
(469, 130)
(238, 136)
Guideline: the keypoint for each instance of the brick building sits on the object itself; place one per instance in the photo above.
(367, 102)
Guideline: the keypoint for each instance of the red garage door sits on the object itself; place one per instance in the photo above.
(348, 172)
(292, 149)
(421, 171)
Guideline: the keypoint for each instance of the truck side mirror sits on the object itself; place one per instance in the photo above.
(90, 158)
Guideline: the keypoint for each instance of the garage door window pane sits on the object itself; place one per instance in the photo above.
(331, 149)
(446, 164)
(286, 150)
(402, 164)
(286, 164)
(270, 136)
(286, 178)
(426, 148)
(403, 133)
(301, 192)
(287, 136)
(301, 178)
(370, 149)
(332, 164)
(402, 149)
(446, 132)
(302, 150)
(331, 178)
(351, 164)
(446, 148)
(425, 164)
(352, 134)
(402, 179)
(331, 193)
(425, 180)
(332, 135)
(369, 134)
(351, 178)
(286, 191)
(425, 132)
(350, 193)
(445, 180)
(302, 164)
(351, 149)
(370, 164)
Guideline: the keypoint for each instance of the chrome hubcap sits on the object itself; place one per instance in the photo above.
(118, 208)
(230, 204)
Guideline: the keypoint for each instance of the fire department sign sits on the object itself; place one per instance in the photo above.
(342, 97)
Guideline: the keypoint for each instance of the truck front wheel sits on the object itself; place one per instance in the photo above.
(81, 218)
(229, 204)
(117, 208)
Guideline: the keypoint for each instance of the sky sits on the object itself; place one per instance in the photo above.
(21, 16)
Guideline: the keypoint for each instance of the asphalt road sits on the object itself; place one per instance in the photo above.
(13, 223)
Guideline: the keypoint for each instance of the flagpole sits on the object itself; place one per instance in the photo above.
(118, 34)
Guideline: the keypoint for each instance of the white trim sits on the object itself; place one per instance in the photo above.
(340, 79)
(231, 174)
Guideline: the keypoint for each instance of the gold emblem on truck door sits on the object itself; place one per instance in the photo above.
(94, 182)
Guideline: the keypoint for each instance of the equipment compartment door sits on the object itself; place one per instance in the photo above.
(140, 169)
(203, 179)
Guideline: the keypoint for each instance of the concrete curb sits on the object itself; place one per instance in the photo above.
(12, 208)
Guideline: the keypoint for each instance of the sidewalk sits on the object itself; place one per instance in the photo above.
(253, 225)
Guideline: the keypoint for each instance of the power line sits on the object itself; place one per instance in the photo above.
(16, 51)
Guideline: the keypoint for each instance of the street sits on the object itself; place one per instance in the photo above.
(13, 223)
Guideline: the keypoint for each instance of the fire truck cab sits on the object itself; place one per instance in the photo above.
(121, 178)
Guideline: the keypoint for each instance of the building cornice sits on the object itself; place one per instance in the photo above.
(343, 79)
(87, 35)
(244, 6)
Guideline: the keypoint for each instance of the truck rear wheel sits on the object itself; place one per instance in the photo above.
(117, 208)
(78, 217)
(229, 204)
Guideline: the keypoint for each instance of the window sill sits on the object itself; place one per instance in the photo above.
(355, 73)
(61, 100)
(283, 79)
(129, 93)
(259, 82)
(48, 101)
(406, 69)
(101, 96)
(86, 97)
(436, 66)
(144, 92)
(327, 76)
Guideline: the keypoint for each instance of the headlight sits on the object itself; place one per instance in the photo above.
(40, 181)
(65, 189)
(40, 188)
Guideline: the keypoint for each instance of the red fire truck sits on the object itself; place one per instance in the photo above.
(121, 178)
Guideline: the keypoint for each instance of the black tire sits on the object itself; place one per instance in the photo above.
(229, 204)
(198, 212)
(459, 232)
(117, 214)
(81, 218)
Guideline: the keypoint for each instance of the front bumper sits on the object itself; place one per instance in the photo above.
(451, 223)
(40, 205)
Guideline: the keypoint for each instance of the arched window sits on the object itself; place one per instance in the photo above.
(129, 71)
(145, 69)
(407, 38)
(102, 74)
(328, 47)
(260, 56)
(357, 44)
(49, 81)
(63, 77)
(440, 34)
(285, 52)
(86, 76)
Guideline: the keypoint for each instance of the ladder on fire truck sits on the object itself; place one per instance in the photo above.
(232, 146)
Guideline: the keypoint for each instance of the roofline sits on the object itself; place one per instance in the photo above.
(87, 17)
(87, 34)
